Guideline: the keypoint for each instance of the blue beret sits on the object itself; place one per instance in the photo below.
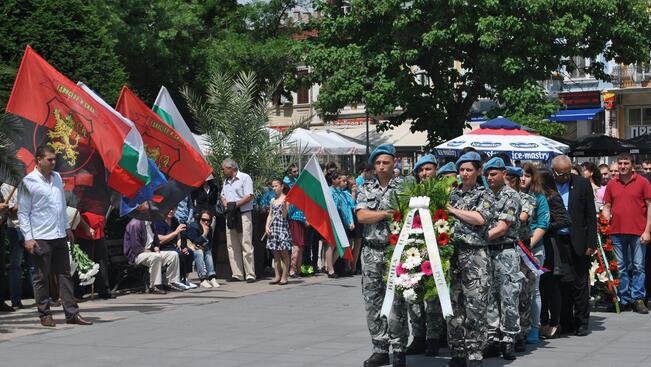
(447, 168)
(494, 163)
(428, 158)
(381, 149)
(468, 157)
(514, 171)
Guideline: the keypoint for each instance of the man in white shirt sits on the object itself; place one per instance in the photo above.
(237, 199)
(44, 225)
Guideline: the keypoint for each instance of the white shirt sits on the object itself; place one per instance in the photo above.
(237, 188)
(6, 190)
(150, 236)
(42, 207)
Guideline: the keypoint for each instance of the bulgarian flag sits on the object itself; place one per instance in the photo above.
(77, 126)
(311, 195)
(166, 109)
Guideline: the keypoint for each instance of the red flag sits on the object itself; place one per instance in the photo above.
(74, 124)
(173, 155)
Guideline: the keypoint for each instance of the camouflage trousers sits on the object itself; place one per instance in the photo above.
(503, 314)
(426, 319)
(526, 298)
(373, 288)
(469, 289)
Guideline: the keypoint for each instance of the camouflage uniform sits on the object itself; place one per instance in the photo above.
(469, 273)
(426, 319)
(529, 277)
(503, 314)
(371, 196)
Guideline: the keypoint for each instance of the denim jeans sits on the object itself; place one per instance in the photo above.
(630, 260)
(15, 264)
(203, 263)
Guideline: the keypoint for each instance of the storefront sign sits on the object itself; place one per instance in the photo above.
(578, 100)
(640, 130)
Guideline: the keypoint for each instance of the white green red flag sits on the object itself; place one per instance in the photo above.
(312, 196)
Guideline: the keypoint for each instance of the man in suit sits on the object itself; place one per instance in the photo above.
(581, 237)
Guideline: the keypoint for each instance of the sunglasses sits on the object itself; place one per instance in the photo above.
(205, 219)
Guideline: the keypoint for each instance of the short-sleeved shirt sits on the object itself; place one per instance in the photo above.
(373, 197)
(507, 207)
(162, 228)
(627, 203)
(237, 188)
(476, 199)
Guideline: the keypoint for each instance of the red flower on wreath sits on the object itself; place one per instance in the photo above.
(608, 246)
(440, 214)
(417, 222)
(600, 269)
(426, 267)
(616, 283)
(612, 265)
(393, 239)
(442, 239)
(397, 217)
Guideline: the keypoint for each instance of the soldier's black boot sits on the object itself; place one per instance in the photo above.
(417, 346)
(520, 345)
(491, 350)
(399, 359)
(508, 351)
(475, 363)
(457, 362)
(377, 360)
(431, 347)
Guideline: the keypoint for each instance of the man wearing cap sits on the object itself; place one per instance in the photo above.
(471, 205)
(373, 209)
(513, 176)
(426, 318)
(503, 314)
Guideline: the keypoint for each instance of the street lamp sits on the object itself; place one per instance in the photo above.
(368, 84)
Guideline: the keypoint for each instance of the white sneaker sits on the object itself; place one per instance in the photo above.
(205, 284)
(179, 285)
(214, 283)
(190, 284)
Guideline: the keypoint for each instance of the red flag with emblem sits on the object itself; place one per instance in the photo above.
(87, 139)
(184, 167)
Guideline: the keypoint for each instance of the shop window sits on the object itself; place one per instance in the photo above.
(634, 116)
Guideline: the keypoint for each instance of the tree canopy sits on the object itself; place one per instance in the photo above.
(372, 51)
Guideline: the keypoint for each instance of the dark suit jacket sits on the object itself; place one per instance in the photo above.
(206, 201)
(583, 231)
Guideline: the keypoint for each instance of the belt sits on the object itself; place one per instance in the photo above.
(501, 246)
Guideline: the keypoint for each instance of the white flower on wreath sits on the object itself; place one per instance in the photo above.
(394, 227)
(404, 281)
(410, 295)
(416, 278)
(412, 252)
(442, 226)
(593, 272)
(412, 262)
(603, 277)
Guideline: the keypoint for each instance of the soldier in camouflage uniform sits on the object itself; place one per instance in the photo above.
(470, 204)
(373, 209)
(503, 313)
(513, 175)
(426, 318)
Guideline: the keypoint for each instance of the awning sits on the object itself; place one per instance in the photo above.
(574, 115)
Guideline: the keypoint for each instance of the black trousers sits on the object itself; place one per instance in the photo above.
(311, 249)
(575, 303)
(550, 296)
(53, 255)
(96, 251)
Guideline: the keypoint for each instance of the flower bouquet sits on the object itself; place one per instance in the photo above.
(422, 267)
(86, 268)
(604, 272)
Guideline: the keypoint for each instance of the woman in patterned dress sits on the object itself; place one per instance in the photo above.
(279, 239)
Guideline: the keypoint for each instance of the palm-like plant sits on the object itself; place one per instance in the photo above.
(11, 169)
(234, 115)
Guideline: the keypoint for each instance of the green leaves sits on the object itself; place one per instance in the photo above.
(501, 45)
